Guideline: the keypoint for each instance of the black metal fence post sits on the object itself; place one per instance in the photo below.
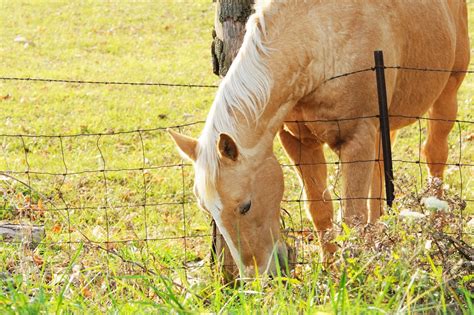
(384, 126)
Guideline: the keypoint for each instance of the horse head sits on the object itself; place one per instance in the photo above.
(243, 196)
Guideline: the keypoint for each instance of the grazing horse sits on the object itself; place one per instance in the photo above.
(278, 84)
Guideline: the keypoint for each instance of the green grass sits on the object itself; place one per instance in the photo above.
(400, 269)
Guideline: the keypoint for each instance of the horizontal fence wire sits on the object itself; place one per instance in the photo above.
(191, 85)
(162, 84)
(182, 199)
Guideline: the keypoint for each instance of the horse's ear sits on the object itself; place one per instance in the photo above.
(187, 145)
(227, 147)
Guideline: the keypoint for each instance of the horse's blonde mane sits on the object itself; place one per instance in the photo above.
(245, 90)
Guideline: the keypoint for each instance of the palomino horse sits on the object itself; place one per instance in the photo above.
(280, 74)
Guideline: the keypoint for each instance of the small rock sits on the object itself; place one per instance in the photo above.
(98, 232)
(411, 214)
(470, 223)
(20, 39)
(434, 204)
(5, 178)
(428, 244)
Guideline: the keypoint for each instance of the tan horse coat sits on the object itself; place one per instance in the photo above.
(298, 46)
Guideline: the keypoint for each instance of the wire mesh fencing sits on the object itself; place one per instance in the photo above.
(125, 198)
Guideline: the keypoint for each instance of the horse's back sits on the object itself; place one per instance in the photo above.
(437, 39)
(416, 34)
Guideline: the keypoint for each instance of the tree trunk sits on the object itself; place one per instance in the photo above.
(228, 34)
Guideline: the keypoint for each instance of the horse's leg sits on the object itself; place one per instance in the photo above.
(378, 180)
(436, 145)
(309, 158)
(357, 156)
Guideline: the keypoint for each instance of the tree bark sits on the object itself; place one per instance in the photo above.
(228, 33)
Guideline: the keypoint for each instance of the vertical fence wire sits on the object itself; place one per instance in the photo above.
(144, 200)
(418, 161)
(106, 202)
(302, 191)
(459, 165)
(66, 205)
(183, 206)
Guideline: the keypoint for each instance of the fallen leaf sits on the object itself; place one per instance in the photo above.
(86, 292)
(56, 228)
(111, 246)
(38, 260)
(40, 205)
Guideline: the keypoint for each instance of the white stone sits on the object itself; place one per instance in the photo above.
(411, 214)
(434, 204)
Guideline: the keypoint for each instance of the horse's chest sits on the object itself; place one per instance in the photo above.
(310, 124)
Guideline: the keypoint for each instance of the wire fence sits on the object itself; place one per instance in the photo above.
(136, 206)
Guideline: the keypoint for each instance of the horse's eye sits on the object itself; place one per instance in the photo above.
(243, 209)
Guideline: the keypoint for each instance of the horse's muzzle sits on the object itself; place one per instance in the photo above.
(280, 263)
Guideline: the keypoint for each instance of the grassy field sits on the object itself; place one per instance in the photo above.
(130, 239)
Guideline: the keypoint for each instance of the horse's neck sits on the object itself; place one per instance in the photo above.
(289, 83)
(270, 74)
